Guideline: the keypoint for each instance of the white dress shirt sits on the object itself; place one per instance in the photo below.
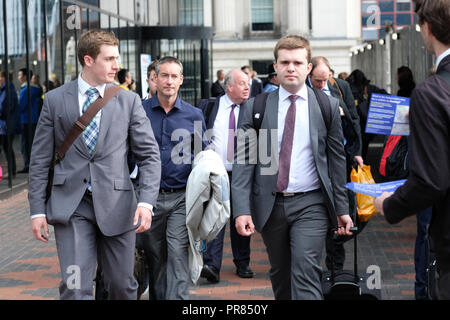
(220, 129)
(441, 57)
(302, 174)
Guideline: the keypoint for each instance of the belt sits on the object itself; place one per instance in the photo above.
(88, 193)
(289, 194)
(170, 190)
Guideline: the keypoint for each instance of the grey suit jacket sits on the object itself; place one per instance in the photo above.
(255, 192)
(123, 124)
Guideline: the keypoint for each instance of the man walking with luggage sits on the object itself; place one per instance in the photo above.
(294, 206)
(428, 182)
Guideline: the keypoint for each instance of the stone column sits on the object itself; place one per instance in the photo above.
(225, 19)
(298, 17)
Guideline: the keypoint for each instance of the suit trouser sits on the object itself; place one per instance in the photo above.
(420, 253)
(79, 243)
(240, 246)
(295, 236)
(166, 248)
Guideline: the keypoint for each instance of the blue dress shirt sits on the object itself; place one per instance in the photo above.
(186, 126)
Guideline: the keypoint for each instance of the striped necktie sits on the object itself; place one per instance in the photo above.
(90, 134)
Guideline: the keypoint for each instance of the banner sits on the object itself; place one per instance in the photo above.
(388, 115)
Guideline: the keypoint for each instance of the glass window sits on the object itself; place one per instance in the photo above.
(190, 12)
(387, 6)
(370, 34)
(403, 19)
(368, 5)
(403, 5)
(387, 18)
(262, 15)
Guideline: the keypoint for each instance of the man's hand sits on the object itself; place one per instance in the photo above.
(359, 160)
(146, 219)
(344, 225)
(378, 202)
(37, 224)
(244, 225)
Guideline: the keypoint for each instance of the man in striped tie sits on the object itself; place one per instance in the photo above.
(92, 206)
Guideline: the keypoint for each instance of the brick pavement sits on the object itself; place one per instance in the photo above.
(29, 269)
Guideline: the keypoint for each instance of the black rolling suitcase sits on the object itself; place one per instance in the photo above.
(348, 285)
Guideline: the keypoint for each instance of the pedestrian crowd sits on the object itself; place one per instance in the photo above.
(120, 184)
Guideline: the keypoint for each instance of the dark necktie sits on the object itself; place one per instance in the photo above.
(231, 146)
(286, 146)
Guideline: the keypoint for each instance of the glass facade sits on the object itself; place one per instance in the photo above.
(377, 14)
(40, 37)
(262, 15)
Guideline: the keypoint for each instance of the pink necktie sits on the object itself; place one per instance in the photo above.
(231, 146)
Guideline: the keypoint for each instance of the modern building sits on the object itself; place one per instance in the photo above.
(377, 14)
(248, 32)
(41, 36)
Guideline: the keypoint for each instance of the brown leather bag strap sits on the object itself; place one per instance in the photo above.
(82, 122)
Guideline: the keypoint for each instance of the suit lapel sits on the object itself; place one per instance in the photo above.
(72, 108)
(105, 121)
(213, 114)
(314, 121)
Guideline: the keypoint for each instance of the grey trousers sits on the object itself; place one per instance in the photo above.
(295, 236)
(79, 243)
(166, 248)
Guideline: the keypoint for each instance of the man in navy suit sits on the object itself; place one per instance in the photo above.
(222, 116)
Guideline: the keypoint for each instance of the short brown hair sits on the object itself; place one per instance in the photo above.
(91, 41)
(437, 14)
(151, 67)
(292, 42)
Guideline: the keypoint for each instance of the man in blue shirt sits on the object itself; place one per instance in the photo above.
(178, 128)
(29, 122)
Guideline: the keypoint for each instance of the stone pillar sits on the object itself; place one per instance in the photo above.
(225, 19)
(298, 17)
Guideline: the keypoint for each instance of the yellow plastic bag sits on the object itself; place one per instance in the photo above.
(366, 209)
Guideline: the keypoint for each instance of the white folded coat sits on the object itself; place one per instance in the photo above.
(207, 206)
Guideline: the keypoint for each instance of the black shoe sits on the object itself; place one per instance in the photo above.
(210, 273)
(24, 170)
(244, 272)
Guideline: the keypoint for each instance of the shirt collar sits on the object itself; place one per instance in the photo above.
(228, 102)
(83, 86)
(442, 56)
(302, 93)
(155, 102)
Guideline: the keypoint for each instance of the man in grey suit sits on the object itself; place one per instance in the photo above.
(298, 195)
(92, 206)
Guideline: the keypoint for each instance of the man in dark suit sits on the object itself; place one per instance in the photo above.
(320, 79)
(294, 190)
(218, 87)
(428, 182)
(223, 119)
(256, 86)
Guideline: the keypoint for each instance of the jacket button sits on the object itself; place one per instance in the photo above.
(85, 180)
